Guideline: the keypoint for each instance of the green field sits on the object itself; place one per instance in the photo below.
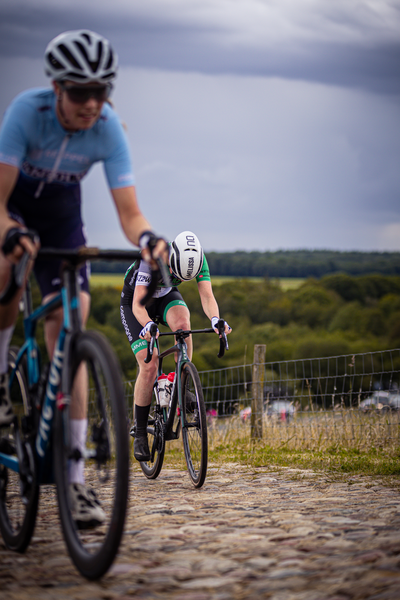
(290, 283)
(116, 280)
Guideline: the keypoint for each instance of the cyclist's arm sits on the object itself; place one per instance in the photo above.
(132, 220)
(134, 223)
(209, 303)
(138, 310)
(8, 177)
(207, 298)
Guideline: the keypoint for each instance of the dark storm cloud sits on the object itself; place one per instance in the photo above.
(337, 43)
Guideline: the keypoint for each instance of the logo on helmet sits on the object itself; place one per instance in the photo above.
(190, 267)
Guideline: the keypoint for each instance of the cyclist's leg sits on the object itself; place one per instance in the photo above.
(177, 316)
(145, 378)
(68, 233)
(142, 394)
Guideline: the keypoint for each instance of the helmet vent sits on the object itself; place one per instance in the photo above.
(110, 60)
(94, 64)
(87, 38)
(69, 56)
(54, 62)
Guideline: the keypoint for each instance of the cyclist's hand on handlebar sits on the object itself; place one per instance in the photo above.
(18, 241)
(222, 328)
(145, 334)
(214, 325)
(155, 252)
(153, 248)
(20, 245)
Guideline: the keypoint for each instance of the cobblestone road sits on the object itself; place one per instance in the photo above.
(248, 534)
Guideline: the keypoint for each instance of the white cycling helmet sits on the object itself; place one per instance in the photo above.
(186, 256)
(81, 56)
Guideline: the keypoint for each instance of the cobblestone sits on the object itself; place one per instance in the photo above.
(247, 534)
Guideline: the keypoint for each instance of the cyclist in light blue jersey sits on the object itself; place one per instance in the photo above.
(49, 139)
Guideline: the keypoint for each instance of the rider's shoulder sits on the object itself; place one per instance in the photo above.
(34, 97)
(109, 120)
(32, 101)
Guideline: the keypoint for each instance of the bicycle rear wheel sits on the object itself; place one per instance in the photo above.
(194, 430)
(106, 462)
(155, 437)
(19, 492)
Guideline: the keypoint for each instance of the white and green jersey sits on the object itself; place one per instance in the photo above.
(139, 273)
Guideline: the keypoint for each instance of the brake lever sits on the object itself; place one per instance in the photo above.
(164, 273)
(18, 272)
(223, 340)
(150, 344)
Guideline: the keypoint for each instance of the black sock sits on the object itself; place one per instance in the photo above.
(141, 417)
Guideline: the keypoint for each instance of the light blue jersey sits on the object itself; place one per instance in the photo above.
(32, 139)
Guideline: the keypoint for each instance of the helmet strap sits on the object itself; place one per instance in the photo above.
(61, 113)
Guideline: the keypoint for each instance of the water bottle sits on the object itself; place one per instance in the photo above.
(161, 383)
(169, 386)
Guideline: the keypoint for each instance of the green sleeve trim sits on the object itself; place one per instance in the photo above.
(170, 305)
(129, 269)
(204, 274)
(138, 345)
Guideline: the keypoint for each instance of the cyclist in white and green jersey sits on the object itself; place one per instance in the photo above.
(187, 261)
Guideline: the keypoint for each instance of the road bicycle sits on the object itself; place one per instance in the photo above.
(186, 409)
(37, 448)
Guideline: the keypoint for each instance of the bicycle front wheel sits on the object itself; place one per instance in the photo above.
(155, 437)
(194, 430)
(102, 461)
(19, 492)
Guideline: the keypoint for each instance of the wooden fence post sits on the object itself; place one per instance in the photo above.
(257, 401)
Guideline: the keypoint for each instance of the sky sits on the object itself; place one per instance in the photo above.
(257, 124)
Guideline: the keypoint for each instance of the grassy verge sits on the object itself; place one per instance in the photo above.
(335, 462)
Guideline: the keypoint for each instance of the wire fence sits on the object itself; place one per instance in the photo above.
(316, 403)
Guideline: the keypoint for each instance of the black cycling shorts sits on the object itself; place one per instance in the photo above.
(56, 216)
(157, 309)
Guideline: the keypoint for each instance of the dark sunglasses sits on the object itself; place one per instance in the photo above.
(79, 94)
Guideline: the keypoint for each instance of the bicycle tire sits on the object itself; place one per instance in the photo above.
(93, 550)
(194, 428)
(155, 437)
(17, 516)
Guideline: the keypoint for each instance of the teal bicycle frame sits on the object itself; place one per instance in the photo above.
(68, 298)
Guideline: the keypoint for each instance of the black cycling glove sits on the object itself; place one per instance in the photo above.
(149, 239)
(13, 237)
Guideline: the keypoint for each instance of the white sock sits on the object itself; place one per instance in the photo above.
(78, 429)
(5, 339)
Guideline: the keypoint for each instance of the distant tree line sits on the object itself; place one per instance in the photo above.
(334, 315)
(302, 263)
(287, 263)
